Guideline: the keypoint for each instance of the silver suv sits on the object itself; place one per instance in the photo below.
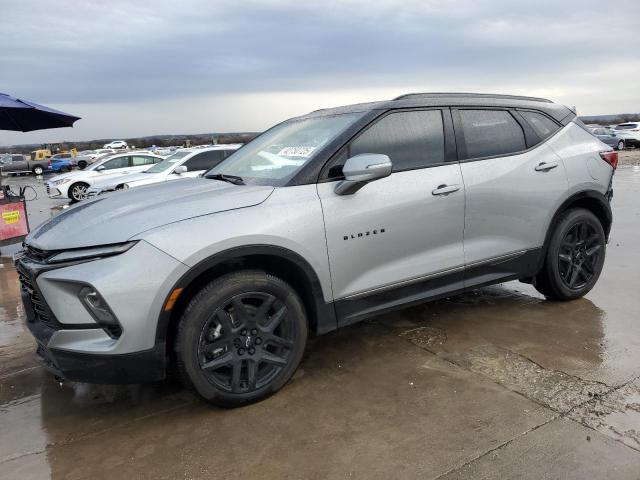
(322, 221)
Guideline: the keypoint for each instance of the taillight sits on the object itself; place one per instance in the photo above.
(611, 158)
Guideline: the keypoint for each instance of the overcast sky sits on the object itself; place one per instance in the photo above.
(133, 68)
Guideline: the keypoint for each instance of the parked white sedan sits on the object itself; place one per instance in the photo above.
(74, 184)
(184, 163)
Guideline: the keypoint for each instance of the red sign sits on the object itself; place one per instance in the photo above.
(13, 220)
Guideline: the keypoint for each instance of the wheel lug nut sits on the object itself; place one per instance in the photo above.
(258, 341)
(254, 331)
(252, 351)
(241, 351)
(243, 331)
(236, 342)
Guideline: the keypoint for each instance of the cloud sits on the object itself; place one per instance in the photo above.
(138, 56)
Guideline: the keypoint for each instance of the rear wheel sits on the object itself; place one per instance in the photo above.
(620, 145)
(38, 170)
(241, 338)
(82, 164)
(575, 256)
(78, 191)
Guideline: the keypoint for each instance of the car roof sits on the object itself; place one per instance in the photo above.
(415, 100)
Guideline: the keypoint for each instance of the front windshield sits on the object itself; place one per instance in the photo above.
(277, 155)
(167, 163)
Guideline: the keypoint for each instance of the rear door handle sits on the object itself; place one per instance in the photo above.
(545, 166)
(445, 189)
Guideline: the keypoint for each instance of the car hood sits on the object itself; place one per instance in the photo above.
(119, 216)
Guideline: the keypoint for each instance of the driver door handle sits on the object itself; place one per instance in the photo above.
(545, 166)
(445, 189)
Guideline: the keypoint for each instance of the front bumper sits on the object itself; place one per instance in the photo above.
(53, 192)
(70, 342)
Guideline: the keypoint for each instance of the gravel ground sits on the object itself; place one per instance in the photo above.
(630, 157)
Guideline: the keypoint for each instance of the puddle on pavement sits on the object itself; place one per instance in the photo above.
(16, 344)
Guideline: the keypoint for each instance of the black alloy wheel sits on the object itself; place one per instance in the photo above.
(241, 338)
(574, 256)
(246, 342)
(578, 256)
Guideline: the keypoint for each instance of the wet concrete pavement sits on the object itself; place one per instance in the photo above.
(497, 383)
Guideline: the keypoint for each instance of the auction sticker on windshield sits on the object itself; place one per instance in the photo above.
(296, 152)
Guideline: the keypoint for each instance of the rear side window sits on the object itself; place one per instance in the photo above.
(143, 160)
(542, 125)
(204, 160)
(411, 139)
(491, 132)
(627, 126)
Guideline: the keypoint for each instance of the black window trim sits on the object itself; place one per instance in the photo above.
(532, 140)
(532, 110)
(450, 153)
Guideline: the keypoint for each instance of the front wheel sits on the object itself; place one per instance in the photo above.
(575, 256)
(38, 170)
(78, 191)
(620, 145)
(241, 338)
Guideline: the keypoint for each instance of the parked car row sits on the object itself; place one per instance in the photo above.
(618, 136)
(74, 185)
(133, 169)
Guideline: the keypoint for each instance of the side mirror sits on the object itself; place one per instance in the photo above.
(362, 169)
(180, 170)
(100, 168)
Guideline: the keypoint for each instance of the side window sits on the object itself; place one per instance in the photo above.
(204, 160)
(491, 132)
(138, 161)
(18, 158)
(544, 126)
(120, 162)
(411, 139)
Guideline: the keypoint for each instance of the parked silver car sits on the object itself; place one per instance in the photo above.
(607, 135)
(322, 221)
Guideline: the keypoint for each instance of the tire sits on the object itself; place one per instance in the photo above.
(574, 258)
(241, 338)
(82, 165)
(38, 170)
(620, 145)
(78, 191)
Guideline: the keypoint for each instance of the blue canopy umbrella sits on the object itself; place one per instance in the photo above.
(23, 116)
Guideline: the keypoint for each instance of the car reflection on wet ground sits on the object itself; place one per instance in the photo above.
(497, 383)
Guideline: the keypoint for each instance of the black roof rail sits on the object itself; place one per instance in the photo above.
(471, 95)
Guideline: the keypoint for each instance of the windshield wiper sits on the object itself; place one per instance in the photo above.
(226, 178)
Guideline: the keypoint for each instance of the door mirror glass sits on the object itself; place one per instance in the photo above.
(362, 169)
(181, 169)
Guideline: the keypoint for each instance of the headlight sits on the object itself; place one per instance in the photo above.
(91, 252)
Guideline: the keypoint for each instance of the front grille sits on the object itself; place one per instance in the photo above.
(41, 312)
(38, 255)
